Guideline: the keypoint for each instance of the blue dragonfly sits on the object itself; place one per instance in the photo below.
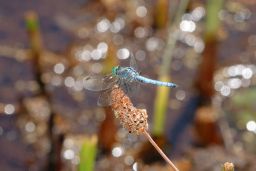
(127, 78)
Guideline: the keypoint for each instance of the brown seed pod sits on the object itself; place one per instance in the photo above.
(133, 119)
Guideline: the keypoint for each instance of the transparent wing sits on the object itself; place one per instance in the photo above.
(135, 87)
(130, 88)
(133, 62)
(105, 98)
(99, 83)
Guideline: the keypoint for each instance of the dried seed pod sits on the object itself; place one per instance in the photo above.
(133, 119)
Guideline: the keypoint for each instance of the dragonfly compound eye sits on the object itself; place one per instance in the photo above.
(114, 70)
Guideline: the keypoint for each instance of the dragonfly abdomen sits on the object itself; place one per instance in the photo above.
(155, 82)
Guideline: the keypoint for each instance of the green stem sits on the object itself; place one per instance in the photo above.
(172, 39)
(213, 8)
(162, 95)
(88, 154)
(32, 26)
(160, 107)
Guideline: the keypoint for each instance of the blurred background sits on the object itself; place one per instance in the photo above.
(49, 121)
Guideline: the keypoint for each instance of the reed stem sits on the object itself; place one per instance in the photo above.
(160, 151)
(162, 94)
(88, 154)
(172, 39)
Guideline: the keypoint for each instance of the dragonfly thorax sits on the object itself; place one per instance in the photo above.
(126, 73)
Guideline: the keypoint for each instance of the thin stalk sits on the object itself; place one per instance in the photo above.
(172, 39)
(160, 151)
(35, 40)
(162, 94)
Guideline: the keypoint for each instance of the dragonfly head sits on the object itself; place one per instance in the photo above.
(114, 70)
